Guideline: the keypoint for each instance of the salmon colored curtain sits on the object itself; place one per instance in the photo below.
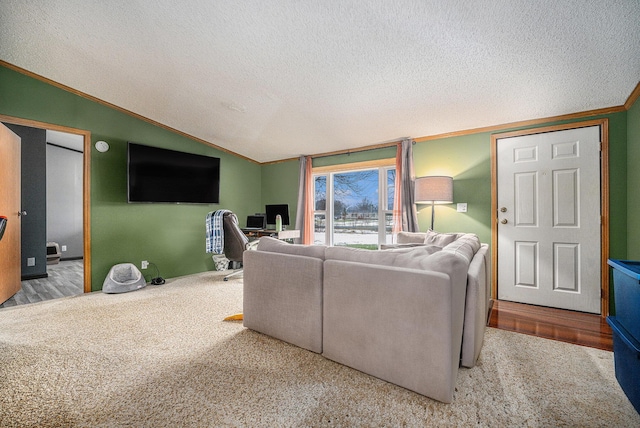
(306, 199)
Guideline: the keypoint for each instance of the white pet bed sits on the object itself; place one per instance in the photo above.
(123, 277)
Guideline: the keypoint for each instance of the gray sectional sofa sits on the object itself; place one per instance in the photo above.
(410, 314)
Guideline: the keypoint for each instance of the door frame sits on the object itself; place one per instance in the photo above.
(86, 184)
(604, 201)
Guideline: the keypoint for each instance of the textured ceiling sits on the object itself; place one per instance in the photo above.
(275, 79)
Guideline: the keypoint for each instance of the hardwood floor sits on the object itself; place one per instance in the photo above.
(65, 279)
(566, 326)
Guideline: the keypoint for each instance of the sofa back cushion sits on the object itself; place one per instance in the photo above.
(424, 257)
(411, 257)
(274, 245)
(431, 237)
(440, 239)
(411, 237)
(398, 246)
(466, 246)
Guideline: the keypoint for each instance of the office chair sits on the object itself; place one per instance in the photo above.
(235, 241)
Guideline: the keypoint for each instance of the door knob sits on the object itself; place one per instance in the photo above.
(503, 221)
(22, 213)
(503, 209)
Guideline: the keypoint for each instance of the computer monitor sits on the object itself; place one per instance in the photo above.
(273, 210)
(256, 222)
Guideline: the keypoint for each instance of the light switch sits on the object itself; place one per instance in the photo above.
(31, 261)
(64, 248)
(462, 208)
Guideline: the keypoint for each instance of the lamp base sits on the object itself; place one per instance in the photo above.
(432, 213)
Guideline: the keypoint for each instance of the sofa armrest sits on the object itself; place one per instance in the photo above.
(283, 297)
(476, 307)
(396, 324)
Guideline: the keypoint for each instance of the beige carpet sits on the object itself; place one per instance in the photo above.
(162, 356)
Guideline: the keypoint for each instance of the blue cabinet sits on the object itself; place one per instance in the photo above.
(626, 327)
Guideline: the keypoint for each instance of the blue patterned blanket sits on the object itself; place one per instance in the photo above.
(215, 231)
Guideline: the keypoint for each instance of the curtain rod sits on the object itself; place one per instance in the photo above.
(363, 149)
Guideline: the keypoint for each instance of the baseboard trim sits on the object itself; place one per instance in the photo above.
(38, 276)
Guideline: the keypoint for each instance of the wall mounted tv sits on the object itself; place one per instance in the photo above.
(162, 175)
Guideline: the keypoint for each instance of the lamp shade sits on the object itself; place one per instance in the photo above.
(437, 189)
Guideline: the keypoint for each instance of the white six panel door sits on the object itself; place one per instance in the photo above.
(549, 219)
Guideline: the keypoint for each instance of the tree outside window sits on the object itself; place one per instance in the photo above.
(354, 208)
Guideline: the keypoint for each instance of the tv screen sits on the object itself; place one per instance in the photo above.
(273, 210)
(162, 175)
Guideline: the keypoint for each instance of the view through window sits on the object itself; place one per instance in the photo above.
(354, 207)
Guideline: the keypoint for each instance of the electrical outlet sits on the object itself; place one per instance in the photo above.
(64, 248)
(144, 264)
(462, 208)
(31, 261)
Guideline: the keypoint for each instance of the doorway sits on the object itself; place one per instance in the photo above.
(85, 140)
(549, 216)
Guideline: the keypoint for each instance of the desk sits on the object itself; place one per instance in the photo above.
(284, 234)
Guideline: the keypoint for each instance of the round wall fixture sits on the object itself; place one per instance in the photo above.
(102, 146)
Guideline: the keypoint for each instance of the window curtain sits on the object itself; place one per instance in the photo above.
(405, 179)
(304, 213)
(397, 191)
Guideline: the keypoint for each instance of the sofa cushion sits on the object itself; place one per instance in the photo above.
(411, 257)
(431, 237)
(283, 297)
(425, 257)
(440, 239)
(399, 246)
(278, 246)
(411, 237)
(466, 246)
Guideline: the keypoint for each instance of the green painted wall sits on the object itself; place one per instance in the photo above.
(169, 235)
(618, 185)
(468, 160)
(280, 186)
(633, 179)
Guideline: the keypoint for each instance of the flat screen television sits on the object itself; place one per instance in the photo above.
(162, 175)
(274, 210)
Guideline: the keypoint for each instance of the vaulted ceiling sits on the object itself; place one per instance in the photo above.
(272, 80)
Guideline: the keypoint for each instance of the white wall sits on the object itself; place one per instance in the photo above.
(64, 200)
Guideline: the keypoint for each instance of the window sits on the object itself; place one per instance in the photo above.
(354, 204)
